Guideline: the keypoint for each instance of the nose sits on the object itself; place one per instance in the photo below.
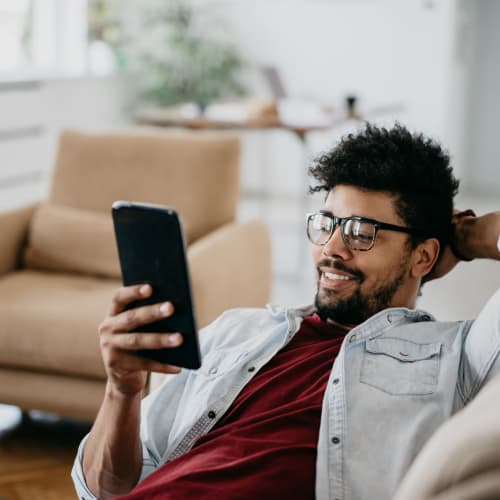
(335, 247)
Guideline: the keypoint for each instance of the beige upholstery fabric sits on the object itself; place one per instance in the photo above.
(49, 322)
(77, 397)
(462, 460)
(14, 231)
(70, 240)
(195, 173)
(220, 273)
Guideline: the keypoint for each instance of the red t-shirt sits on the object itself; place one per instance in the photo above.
(264, 447)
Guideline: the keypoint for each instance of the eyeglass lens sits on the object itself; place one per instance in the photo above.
(357, 234)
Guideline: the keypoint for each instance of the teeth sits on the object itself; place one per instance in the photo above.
(332, 276)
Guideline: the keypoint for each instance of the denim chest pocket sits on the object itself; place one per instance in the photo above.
(401, 367)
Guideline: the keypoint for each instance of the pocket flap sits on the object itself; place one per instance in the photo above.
(403, 350)
(219, 361)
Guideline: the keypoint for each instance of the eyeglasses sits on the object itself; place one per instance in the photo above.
(358, 233)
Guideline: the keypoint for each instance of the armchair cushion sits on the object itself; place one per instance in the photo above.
(70, 240)
(50, 321)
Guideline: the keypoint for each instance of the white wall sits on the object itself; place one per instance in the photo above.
(385, 51)
(483, 100)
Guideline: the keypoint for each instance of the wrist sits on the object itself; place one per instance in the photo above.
(478, 237)
(464, 240)
(113, 393)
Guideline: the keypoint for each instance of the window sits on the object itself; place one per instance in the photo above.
(42, 38)
(15, 45)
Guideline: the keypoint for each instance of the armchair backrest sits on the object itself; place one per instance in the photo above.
(196, 173)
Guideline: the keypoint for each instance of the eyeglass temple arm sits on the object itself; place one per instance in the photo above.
(401, 229)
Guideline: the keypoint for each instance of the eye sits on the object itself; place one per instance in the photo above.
(322, 223)
(361, 231)
(363, 236)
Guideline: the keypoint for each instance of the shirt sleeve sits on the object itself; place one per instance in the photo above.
(83, 491)
(481, 359)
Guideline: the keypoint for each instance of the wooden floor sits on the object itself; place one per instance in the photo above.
(36, 455)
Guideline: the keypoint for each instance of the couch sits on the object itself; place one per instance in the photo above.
(59, 264)
(461, 461)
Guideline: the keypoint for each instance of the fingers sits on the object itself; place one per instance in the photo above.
(458, 214)
(119, 352)
(121, 319)
(126, 370)
(125, 363)
(127, 294)
(132, 319)
(139, 341)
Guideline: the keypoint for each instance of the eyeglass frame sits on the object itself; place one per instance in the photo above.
(341, 221)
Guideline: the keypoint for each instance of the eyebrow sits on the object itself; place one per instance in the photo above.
(381, 223)
(327, 212)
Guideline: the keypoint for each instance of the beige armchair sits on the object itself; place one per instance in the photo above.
(59, 267)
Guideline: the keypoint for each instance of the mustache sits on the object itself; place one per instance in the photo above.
(340, 266)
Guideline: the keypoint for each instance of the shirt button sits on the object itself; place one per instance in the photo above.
(335, 440)
(211, 414)
(353, 338)
(251, 369)
(389, 318)
(212, 370)
(336, 381)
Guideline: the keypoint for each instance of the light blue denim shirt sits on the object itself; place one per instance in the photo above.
(397, 378)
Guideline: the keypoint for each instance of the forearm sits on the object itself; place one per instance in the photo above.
(112, 460)
(478, 237)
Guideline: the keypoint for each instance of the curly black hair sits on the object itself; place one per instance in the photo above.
(410, 166)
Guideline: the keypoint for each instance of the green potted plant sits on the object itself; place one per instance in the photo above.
(175, 62)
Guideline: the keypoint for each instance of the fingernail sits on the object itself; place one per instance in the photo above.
(165, 308)
(173, 339)
(144, 290)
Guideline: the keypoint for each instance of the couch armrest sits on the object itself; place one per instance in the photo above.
(461, 460)
(14, 226)
(230, 267)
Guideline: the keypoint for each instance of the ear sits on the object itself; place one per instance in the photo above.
(424, 256)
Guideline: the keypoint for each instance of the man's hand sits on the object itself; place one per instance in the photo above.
(112, 458)
(126, 371)
(478, 237)
(472, 238)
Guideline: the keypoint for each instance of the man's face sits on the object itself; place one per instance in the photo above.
(353, 285)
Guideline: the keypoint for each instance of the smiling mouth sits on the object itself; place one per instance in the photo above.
(334, 276)
(335, 280)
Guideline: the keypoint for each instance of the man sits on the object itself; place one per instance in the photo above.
(332, 401)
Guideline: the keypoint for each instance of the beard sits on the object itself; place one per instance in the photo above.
(359, 306)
